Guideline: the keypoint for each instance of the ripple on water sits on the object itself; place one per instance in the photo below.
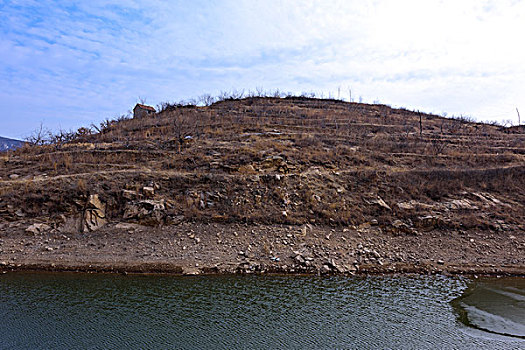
(76, 311)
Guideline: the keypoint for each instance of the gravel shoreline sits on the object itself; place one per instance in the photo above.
(193, 249)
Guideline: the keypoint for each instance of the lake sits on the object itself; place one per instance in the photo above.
(105, 311)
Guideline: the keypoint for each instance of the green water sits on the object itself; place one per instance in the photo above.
(82, 311)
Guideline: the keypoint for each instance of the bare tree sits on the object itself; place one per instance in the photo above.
(62, 136)
(38, 136)
(237, 94)
(185, 127)
(420, 123)
(206, 99)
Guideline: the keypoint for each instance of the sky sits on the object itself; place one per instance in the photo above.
(66, 64)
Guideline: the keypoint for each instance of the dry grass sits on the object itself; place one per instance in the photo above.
(220, 162)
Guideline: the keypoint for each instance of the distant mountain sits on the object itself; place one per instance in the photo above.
(8, 144)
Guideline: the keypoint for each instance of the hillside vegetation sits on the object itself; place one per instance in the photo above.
(276, 161)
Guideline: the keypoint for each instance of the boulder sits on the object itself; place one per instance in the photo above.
(325, 270)
(148, 191)
(380, 202)
(130, 195)
(38, 228)
(247, 169)
(305, 228)
(428, 222)
(272, 161)
(330, 266)
(190, 271)
(405, 206)
(399, 226)
(93, 215)
(299, 259)
(275, 162)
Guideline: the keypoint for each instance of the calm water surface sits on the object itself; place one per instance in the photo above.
(81, 311)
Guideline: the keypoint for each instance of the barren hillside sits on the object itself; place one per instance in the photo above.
(280, 161)
(274, 161)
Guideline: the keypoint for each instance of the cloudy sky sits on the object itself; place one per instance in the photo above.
(70, 63)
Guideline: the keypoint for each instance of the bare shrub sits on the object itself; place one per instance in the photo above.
(437, 146)
(185, 127)
(38, 137)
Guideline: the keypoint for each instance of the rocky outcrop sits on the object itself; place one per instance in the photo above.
(93, 215)
(399, 227)
(146, 212)
(429, 222)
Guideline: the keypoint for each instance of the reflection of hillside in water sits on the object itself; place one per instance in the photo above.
(494, 305)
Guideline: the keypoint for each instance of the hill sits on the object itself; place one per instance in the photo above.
(323, 168)
(9, 144)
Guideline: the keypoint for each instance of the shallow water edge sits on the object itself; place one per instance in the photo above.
(176, 269)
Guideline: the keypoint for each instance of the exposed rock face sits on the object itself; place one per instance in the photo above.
(461, 204)
(405, 206)
(94, 214)
(146, 212)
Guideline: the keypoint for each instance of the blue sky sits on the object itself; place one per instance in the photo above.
(71, 63)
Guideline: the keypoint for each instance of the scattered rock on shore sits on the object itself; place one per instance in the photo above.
(38, 228)
(190, 271)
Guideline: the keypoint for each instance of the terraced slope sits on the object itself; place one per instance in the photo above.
(281, 161)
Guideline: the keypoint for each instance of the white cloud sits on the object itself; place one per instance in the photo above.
(78, 61)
